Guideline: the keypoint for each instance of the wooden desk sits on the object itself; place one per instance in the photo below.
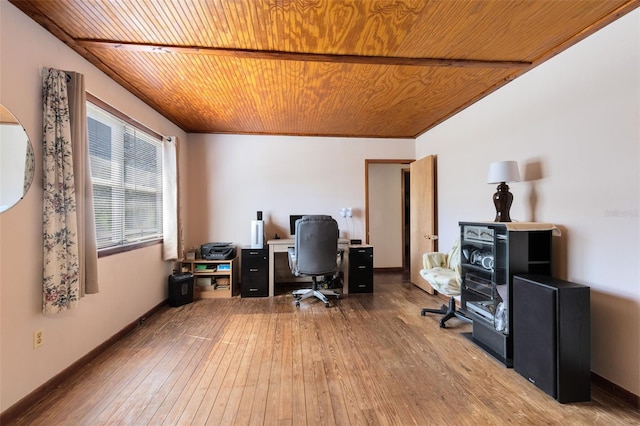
(282, 246)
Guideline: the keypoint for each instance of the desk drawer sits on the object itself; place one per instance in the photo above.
(254, 287)
(361, 256)
(255, 258)
(361, 285)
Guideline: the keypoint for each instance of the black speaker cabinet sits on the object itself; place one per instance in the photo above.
(552, 336)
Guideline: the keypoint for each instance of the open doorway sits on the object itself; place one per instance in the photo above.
(406, 211)
(387, 223)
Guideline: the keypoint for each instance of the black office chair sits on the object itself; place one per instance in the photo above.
(315, 254)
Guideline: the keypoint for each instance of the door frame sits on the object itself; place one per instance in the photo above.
(406, 224)
(366, 195)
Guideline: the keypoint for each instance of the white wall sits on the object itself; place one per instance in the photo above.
(233, 176)
(130, 283)
(573, 124)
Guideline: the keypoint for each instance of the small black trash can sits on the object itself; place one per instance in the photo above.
(180, 288)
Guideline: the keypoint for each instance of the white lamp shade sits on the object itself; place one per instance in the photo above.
(503, 171)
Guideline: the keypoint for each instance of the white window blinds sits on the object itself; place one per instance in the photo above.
(126, 166)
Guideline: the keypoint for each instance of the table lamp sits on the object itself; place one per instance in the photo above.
(502, 172)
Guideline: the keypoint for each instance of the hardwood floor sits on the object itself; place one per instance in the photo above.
(370, 359)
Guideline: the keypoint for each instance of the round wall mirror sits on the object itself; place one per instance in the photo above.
(16, 160)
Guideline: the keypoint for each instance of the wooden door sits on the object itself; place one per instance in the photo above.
(422, 216)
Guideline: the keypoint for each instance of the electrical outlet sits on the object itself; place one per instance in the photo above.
(38, 338)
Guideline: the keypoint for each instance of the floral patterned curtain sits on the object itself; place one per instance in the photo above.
(60, 269)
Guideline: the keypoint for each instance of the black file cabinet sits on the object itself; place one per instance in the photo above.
(255, 272)
(361, 270)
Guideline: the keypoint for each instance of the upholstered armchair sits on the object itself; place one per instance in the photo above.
(442, 270)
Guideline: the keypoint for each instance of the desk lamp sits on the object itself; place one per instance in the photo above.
(502, 172)
(346, 212)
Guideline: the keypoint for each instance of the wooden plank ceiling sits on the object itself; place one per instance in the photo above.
(363, 68)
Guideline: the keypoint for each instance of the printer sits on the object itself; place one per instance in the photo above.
(218, 251)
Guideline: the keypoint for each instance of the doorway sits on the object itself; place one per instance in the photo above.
(387, 225)
(406, 211)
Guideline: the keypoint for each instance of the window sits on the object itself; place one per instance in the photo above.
(126, 168)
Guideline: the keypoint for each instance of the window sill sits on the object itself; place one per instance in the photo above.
(129, 247)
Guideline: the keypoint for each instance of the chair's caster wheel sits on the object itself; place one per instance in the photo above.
(442, 325)
(297, 303)
(326, 305)
(423, 313)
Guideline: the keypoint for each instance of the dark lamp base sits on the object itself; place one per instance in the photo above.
(502, 199)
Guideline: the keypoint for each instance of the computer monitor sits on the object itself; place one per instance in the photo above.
(292, 223)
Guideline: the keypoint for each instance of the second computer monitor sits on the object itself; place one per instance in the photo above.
(292, 223)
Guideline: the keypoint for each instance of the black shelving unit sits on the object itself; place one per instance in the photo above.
(491, 254)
